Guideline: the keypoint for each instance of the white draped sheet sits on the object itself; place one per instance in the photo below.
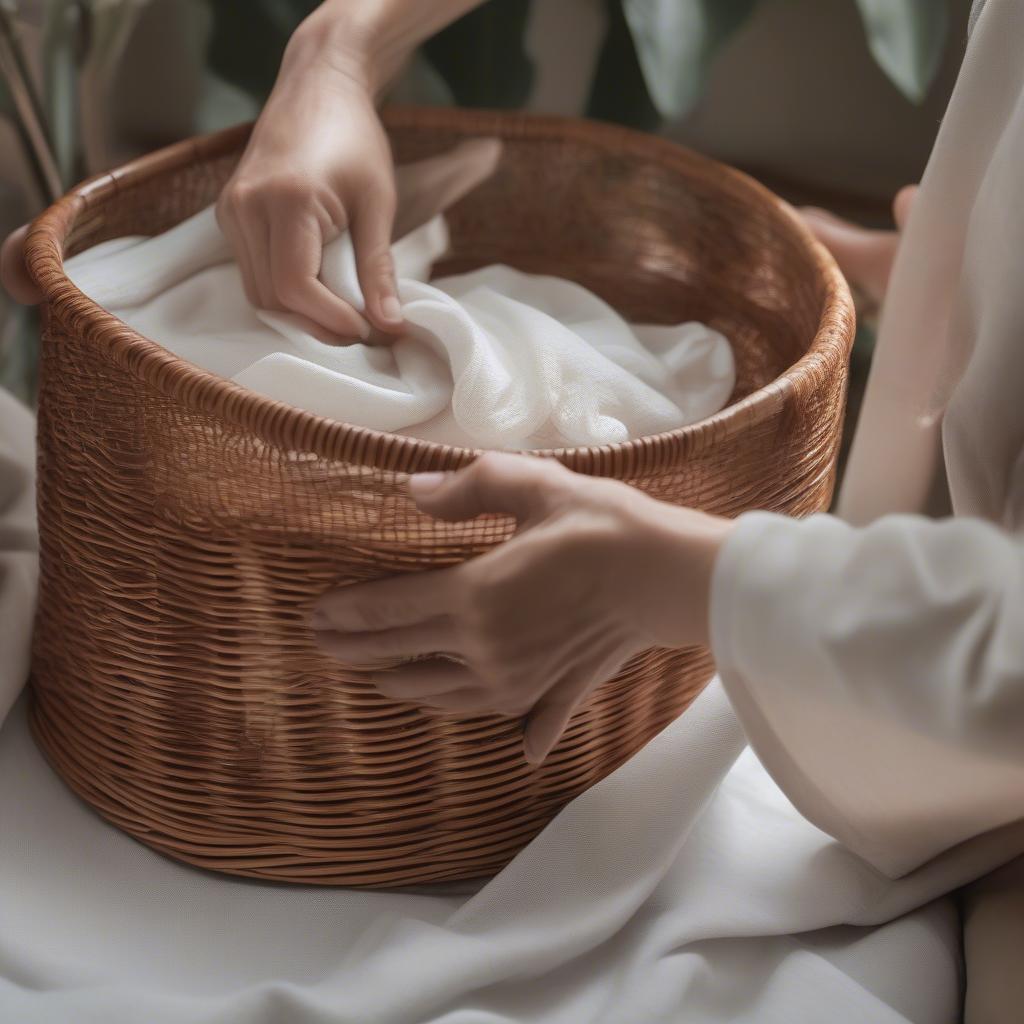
(683, 884)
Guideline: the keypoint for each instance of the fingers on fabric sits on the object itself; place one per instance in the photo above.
(430, 186)
(14, 273)
(371, 239)
(295, 251)
(516, 485)
(277, 235)
(233, 212)
(278, 245)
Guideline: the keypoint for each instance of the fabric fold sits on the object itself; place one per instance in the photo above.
(495, 358)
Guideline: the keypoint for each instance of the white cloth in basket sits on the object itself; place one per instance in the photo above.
(492, 359)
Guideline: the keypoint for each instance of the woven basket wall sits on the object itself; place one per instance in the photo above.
(187, 525)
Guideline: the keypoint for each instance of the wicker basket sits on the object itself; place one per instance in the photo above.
(187, 524)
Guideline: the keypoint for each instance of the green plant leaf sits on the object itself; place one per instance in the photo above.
(19, 351)
(61, 42)
(907, 39)
(676, 42)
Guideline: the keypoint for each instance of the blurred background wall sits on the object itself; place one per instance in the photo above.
(794, 95)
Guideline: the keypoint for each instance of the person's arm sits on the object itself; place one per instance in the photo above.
(879, 674)
(380, 34)
(318, 162)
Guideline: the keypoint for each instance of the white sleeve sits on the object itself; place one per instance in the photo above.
(879, 674)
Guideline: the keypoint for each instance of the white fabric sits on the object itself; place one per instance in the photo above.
(878, 669)
(664, 893)
(493, 359)
(685, 886)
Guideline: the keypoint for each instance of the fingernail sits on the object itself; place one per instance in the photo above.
(533, 752)
(426, 483)
(392, 309)
(364, 329)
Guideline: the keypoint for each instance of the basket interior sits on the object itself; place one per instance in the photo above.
(661, 240)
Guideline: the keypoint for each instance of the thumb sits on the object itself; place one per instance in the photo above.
(371, 238)
(515, 485)
(545, 725)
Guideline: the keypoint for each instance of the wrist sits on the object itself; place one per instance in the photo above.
(689, 543)
(372, 39)
(341, 39)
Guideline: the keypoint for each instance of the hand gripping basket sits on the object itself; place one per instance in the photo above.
(187, 525)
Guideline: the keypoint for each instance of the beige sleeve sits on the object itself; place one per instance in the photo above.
(879, 674)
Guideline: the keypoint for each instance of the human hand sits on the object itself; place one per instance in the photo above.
(424, 188)
(596, 573)
(864, 256)
(317, 163)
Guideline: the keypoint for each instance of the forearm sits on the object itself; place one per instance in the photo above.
(318, 161)
(371, 38)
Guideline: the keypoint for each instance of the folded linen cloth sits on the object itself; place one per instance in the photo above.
(495, 358)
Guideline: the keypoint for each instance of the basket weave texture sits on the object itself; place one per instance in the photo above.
(187, 525)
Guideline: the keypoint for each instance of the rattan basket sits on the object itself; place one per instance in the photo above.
(187, 524)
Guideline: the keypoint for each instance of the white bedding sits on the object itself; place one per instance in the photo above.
(495, 358)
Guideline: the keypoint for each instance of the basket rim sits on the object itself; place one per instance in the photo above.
(295, 429)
